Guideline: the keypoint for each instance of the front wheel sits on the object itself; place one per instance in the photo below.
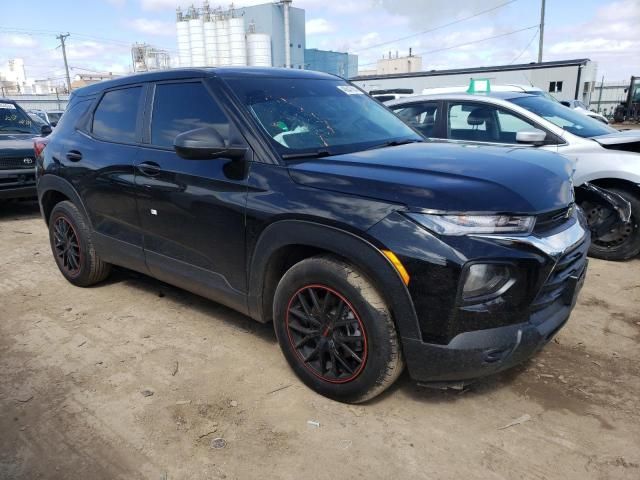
(622, 242)
(336, 331)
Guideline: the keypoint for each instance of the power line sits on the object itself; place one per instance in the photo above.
(438, 27)
(437, 50)
(525, 48)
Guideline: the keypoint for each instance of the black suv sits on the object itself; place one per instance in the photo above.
(17, 162)
(293, 197)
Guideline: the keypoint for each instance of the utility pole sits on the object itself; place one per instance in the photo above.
(600, 94)
(541, 32)
(62, 38)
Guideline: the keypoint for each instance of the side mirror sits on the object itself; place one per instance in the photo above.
(205, 144)
(531, 137)
(45, 130)
(565, 103)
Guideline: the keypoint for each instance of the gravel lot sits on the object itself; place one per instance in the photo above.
(74, 364)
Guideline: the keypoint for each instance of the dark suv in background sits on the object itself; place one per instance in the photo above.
(17, 160)
(293, 197)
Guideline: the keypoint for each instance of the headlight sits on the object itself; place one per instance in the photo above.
(486, 279)
(468, 224)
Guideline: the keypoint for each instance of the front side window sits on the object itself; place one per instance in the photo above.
(421, 116)
(116, 117)
(180, 107)
(478, 122)
(565, 118)
(308, 115)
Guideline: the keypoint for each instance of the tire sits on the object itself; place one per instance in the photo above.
(357, 321)
(628, 246)
(69, 232)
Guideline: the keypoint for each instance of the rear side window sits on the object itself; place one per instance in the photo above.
(421, 116)
(180, 107)
(116, 116)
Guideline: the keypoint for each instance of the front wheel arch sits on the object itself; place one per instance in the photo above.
(309, 239)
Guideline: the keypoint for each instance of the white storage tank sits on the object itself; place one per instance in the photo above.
(237, 42)
(210, 42)
(259, 49)
(196, 34)
(184, 43)
(222, 38)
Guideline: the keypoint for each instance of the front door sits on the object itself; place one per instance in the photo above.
(192, 212)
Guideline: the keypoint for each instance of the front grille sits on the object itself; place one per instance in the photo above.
(550, 220)
(571, 264)
(14, 163)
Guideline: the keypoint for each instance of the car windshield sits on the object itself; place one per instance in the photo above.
(319, 116)
(14, 120)
(565, 118)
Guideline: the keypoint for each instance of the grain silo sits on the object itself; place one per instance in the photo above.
(237, 41)
(184, 43)
(259, 49)
(196, 36)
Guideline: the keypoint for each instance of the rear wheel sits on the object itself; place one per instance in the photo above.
(72, 248)
(335, 330)
(623, 241)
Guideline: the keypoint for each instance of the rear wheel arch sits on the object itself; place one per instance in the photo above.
(53, 190)
(287, 242)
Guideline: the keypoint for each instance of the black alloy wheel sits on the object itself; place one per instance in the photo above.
(67, 246)
(326, 333)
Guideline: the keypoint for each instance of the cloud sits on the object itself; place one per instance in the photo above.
(14, 40)
(317, 26)
(153, 27)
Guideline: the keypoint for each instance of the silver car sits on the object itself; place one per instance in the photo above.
(603, 156)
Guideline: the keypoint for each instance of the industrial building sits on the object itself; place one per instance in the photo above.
(394, 65)
(564, 79)
(145, 58)
(271, 34)
(342, 64)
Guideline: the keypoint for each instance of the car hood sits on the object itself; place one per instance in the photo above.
(617, 138)
(16, 144)
(447, 177)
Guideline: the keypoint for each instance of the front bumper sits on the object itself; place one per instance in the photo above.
(20, 183)
(512, 332)
(472, 355)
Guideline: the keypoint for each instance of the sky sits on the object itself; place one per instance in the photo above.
(102, 32)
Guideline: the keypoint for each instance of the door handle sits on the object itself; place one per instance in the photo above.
(150, 169)
(74, 156)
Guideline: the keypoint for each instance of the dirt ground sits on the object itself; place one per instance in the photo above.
(74, 364)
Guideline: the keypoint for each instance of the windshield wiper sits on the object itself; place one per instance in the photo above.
(314, 154)
(395, 143)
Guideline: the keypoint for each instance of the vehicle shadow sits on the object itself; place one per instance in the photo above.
(18, 210)
(265, 332)
(216, 311)
(478, 388)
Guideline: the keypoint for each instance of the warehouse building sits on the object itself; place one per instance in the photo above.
(344, 65)
(564, 79)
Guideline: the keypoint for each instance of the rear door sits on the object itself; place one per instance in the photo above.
(98, 159)
(192, 211)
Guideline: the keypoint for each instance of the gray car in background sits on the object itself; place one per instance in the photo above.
(605, 159)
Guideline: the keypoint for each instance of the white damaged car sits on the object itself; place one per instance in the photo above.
(607, 161)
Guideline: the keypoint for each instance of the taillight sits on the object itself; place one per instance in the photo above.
(38, 146)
